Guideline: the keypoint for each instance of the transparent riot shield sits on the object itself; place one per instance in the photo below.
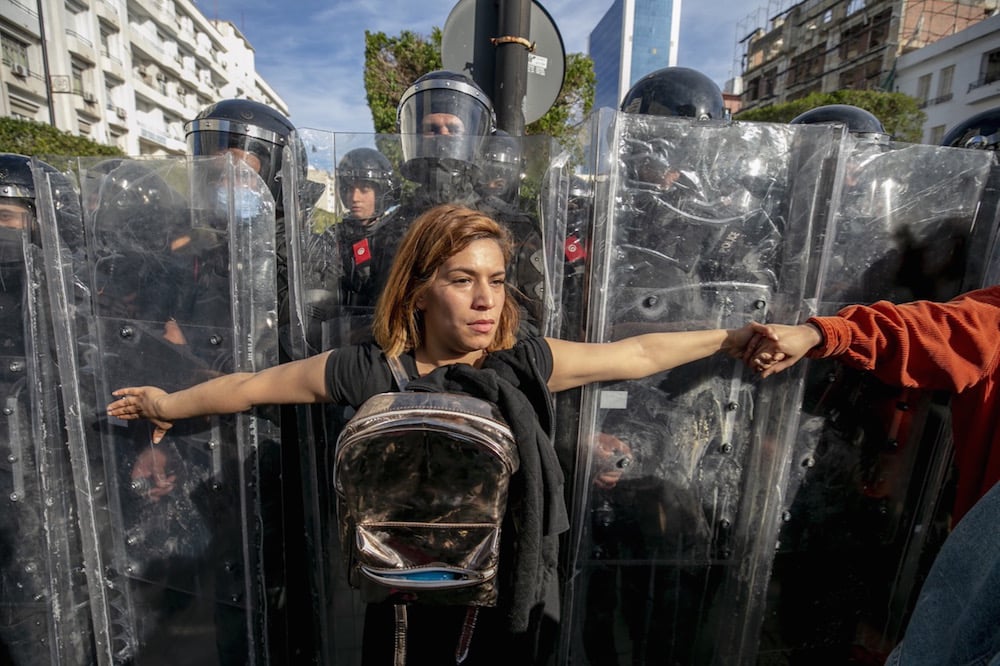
(983, 268)
(180, 270)
(341, 248)
(862, 517)
(44, 616)
(678, 475)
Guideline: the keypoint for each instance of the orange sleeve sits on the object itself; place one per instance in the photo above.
(938, 346)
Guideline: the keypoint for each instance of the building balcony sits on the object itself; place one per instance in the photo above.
(984, 88)
(113, 65)
(116, 115)
(162, 12)
(160, 139)
(32, 84)
(936, 100)
(157, 97)
(80, 45)
(107, 12)
(22, 15)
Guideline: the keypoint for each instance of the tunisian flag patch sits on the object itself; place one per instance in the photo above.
(362, 252)
(574, 249)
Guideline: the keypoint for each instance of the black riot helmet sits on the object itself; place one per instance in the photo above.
(981, 131)
(255, 129)
(444, 115)
(18, 189)
(676, 91)
(132, 208)
(367, 165)
(500, 167)
(17, 207)
(859, 122)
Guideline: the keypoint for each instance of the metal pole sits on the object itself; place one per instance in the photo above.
(45, 65)
(510, 86)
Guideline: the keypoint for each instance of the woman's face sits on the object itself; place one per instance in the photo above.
(462, 305)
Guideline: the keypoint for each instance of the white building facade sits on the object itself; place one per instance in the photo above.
(954, 78)
(127, 73)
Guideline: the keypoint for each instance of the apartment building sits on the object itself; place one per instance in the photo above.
(127, 73)
(954, 78)
(827, 45)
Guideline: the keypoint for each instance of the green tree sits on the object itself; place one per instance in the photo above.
(27, 137)
(393, 63)
(900, 114)
(574, 102)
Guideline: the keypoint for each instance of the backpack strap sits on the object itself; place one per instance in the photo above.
(399, 636)
(398, 372)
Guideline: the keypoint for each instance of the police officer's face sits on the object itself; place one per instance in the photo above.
(445, 124)
(13, 216)
(244, 156)
(361, 199)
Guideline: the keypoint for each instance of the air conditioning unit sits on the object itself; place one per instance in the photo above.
(121, 112)
(89, 98)
(19, 70)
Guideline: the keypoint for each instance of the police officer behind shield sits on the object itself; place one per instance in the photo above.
(500, 173)
(347, 262)
(38, 534)
(647, 527)
(257, 137)
(369, 191)
(446, 122)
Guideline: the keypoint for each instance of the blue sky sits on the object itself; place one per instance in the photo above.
(311, 52)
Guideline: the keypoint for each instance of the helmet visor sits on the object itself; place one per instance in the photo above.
(444, 119)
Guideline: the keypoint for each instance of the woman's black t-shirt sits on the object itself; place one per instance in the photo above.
(356, 373)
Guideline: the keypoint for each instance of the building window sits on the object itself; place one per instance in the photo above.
(990, 68)
(855, 6)
(15, 52)
(770, 78)
(924, 88)
(935, 135)
(827, 16)
(77, 77)
(945, 78)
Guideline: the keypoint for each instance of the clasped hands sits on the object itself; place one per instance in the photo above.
(768, 349)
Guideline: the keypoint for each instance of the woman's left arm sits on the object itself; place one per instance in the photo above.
(578, 363)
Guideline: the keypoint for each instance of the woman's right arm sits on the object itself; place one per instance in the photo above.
(296, 382)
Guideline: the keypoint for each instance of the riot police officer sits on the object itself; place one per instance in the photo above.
(687, 221)
(859, 122)
(251, 131)
(349, 260)
(500, 174)
(847, 506)
(258, 136)
(446, 120)
(39, 541)
(676, 91)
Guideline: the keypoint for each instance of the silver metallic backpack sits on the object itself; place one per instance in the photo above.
(421, 481)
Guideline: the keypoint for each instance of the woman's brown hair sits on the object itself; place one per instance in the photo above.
(433, 238)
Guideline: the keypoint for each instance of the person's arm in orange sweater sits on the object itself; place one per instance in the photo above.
(939, 346)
